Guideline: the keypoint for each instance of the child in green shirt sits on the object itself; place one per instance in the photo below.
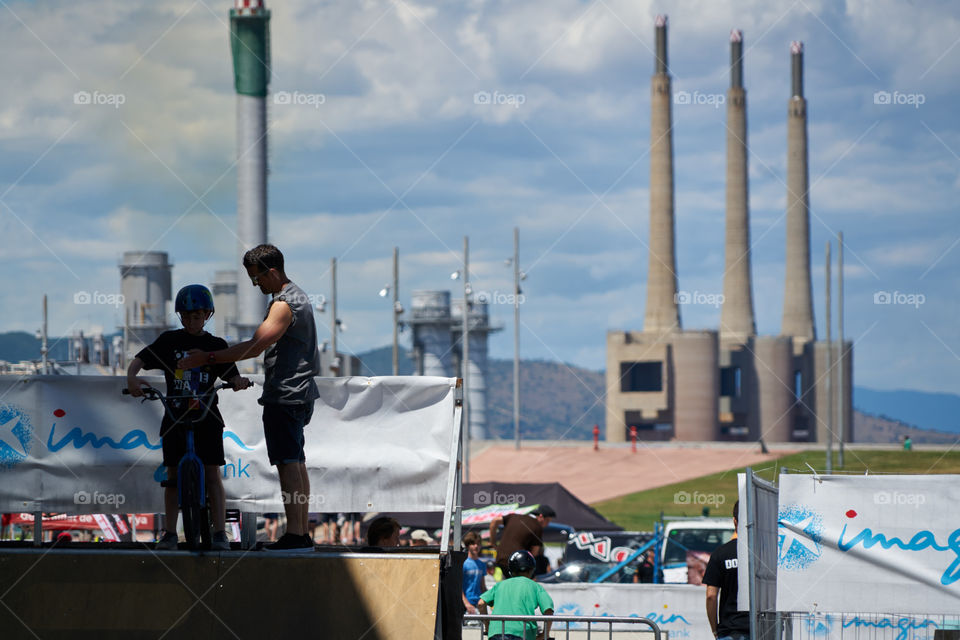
(518, 596)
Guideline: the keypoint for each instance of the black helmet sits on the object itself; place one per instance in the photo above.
(521, 562)
(194, 297)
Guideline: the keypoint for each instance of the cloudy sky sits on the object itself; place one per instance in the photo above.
(387, 146)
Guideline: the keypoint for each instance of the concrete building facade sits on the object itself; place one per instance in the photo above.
(667, 383)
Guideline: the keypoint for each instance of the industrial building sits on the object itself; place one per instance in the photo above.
(438, 346)
(667, 383)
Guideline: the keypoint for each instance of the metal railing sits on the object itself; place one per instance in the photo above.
(495, 628)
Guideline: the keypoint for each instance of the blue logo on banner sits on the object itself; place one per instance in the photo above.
(800, 530)
(16, 435)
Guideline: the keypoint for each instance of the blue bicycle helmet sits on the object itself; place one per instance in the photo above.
(194, 297)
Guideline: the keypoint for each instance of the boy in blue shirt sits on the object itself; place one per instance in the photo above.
(474, 571)
(518, 596)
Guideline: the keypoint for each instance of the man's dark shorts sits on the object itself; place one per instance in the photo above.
(283, 430)
(207, 444)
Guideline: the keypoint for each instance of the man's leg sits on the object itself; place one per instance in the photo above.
(304, 503)
(291, 487)
(170, 502)
(217, 496)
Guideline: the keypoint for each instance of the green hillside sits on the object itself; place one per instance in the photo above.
(639, 511)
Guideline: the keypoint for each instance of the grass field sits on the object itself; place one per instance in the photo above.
(718, 492)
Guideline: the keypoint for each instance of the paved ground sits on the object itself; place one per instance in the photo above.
(610, 472)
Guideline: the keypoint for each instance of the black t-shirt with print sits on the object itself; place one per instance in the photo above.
(722, 572)
(164, 353)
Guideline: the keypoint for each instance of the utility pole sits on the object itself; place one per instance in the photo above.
(465, 359)
(335, 322)
(841, 388)
(396, 310)
(516, 336)
(829, 376)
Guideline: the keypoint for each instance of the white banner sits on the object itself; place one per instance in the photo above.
(74, 444)
(680, 609)
(869, 544)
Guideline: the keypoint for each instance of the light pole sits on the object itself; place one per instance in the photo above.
(397, 308)
(466, 359)
(518, 275)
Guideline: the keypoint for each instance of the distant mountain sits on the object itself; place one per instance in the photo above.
(556, 400)
(935, 411)
(16, 346)
(878, 429)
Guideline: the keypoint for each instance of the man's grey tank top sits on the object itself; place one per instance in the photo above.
(292, 361)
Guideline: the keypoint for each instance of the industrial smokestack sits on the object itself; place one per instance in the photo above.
(250, 45)
(797, 295)
(736, 318)
(662, 313)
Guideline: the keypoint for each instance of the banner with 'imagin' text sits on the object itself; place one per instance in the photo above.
(869, 544)
(74, 444)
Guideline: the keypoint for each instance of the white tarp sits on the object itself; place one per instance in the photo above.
(74, 444)
(869, 544)
(679, 609)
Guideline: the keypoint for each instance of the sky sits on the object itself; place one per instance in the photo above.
(388, 141)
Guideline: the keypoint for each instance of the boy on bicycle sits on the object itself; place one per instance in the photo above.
(194, 305)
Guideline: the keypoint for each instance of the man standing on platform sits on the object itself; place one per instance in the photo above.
(520, 532)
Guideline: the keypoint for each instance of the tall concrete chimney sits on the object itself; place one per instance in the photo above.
(797, 295)
(736, 319)
(662, 313)
(250, 45)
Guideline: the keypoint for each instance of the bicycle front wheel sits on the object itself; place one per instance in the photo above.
(190, 505)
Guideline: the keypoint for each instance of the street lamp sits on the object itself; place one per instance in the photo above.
(397, 308)
(464, 274)
(518, 275)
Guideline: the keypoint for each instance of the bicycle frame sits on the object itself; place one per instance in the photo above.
(190, 463)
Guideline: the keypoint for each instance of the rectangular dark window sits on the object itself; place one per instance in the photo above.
(797, 384)
(641, 376)
(730, 382)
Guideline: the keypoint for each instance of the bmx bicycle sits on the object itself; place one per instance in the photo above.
(190, 481)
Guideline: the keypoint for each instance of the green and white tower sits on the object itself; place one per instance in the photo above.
(250, 46)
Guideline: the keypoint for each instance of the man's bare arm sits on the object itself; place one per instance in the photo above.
(270, 330)
(713, 594)
(494, 526)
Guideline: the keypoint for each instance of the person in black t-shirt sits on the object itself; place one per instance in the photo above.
(721, 578)
(194, 304)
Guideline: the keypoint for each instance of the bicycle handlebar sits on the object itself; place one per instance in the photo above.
(151, 393)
